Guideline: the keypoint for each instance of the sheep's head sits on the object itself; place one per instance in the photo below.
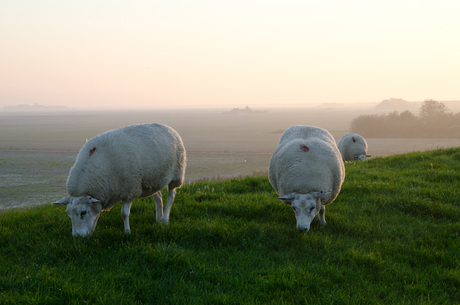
(361, 157)
(84, 212)
(305, 206)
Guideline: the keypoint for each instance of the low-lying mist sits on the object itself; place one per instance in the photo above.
(37, 150)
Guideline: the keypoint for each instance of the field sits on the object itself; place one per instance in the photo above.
(393, 237)
(37, 150)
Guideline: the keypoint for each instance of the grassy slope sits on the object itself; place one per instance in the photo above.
(392, 237)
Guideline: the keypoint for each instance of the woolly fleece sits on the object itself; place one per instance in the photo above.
(350, 149)
(318, 167)
(129, 162)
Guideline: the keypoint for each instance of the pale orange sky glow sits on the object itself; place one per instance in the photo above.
(172, 54)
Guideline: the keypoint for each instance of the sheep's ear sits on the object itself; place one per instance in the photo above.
(320, 194)
(94, 200)
(288, 197)
(65, 200)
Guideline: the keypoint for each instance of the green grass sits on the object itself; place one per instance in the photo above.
(393, 237)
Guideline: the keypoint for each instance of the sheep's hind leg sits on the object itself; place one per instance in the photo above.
(125, 209)
(165, 218)
(158, 204)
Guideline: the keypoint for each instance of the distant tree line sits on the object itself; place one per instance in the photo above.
(434, 120)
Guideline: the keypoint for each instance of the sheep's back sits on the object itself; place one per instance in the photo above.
(305, 132)
(349, 148)
(320, 168)
(125, 163)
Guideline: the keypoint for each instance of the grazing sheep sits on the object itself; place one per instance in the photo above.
(352, 146)
(307, 171)
(120, 165)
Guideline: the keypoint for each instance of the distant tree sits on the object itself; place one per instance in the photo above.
(409, 123)
(403, 124)
(408, 116)
(391, 124)
(431, 108)
(368, 125)
(435, 120)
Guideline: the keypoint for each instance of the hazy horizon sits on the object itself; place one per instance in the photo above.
(215, 107)
(399, 105)
(200, 54)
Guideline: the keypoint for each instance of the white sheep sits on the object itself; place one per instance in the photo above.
(352, 146)
(307, 172)
(120, 165)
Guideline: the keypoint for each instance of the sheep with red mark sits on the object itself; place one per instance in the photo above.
(353, 147)
(307, 172)
(121, 165)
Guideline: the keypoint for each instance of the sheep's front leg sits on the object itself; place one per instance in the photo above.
(125, 210)
(320, 216)
(165, 218)
(158, 204)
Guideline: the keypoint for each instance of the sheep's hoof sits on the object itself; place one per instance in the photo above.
(164, 221)
(127, 231)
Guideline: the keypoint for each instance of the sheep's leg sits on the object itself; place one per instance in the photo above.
(125, 209)
(165, 218)
(158, 204)
(320, 216)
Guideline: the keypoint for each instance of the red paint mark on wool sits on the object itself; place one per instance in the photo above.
(91, 151)
(353, 139)
(304, 148)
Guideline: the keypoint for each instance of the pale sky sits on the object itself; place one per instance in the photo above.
(169, 54)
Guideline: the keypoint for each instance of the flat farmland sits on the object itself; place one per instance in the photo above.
(37, 150)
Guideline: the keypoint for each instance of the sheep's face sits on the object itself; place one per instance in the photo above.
(361, 157)
(305, 206)
(84, 212)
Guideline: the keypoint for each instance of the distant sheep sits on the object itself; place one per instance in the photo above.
(352, 146)
(120, 165)
(307, 172)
